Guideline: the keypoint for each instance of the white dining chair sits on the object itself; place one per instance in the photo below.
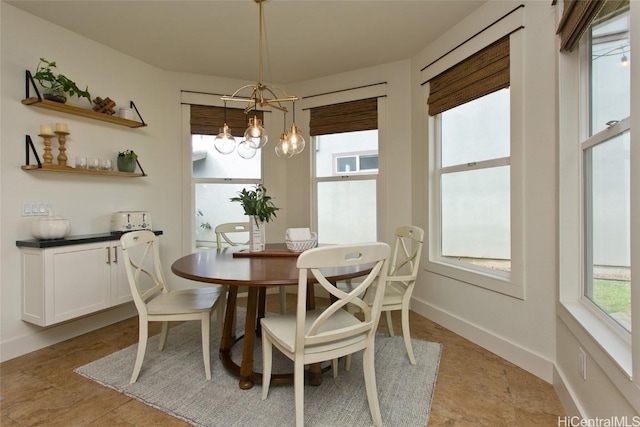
(155, 302)
(226, 236)
(401, 279)
(325, 334)
(228, 233)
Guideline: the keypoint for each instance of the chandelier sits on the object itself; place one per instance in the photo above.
(265, 96)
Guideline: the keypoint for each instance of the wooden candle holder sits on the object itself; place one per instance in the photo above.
(62, 155)
(47, 157)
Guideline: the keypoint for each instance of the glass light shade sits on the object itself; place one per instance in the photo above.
(225, 143)
(246, 150)
(295, 139)
(283, 149)
(255, 135)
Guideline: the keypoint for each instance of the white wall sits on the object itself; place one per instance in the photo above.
(520, 330)
(86, 200)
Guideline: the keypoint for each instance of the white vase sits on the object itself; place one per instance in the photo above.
(256, 234)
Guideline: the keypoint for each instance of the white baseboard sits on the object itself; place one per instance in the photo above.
(568, 399)
(531, 362)
(44, 337)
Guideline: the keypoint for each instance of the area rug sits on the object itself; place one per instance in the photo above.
(174, 382)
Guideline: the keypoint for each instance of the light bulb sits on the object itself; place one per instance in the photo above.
(624, 61)
(225, 143)
(246, 150)
(255, 135)
(283, 149)
(295, 139)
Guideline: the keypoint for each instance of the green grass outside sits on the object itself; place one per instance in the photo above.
(613, 296)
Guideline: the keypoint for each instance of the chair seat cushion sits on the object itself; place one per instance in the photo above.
(392, 295)
(283, 329)
(184, 301)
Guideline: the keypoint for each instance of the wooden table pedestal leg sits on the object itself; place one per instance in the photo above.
(246, 368)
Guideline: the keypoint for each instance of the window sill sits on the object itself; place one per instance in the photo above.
(609, 346)
(502, 284)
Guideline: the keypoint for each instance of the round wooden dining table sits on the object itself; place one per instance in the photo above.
(237, 267)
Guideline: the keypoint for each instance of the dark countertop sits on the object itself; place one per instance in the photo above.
(73, 240)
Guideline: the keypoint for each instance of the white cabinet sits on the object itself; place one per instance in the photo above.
(64, 282)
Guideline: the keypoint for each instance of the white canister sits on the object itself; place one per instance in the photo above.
(126, 113)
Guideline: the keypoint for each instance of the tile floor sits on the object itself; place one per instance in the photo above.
(474, 387)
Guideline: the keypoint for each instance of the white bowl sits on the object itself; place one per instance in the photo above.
(50, 227)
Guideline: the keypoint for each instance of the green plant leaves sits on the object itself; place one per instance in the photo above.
(257, 203)
(58, 83)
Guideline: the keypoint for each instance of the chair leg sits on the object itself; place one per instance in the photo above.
(163, 336)
(143, 333)
(267, 354)
(370, 384)
(334, 367)
(347, 362)
(298, 385)
(407, 335)
(283, 300)
(206, 343)
(389, 322)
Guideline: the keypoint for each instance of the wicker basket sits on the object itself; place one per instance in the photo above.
(302, 245)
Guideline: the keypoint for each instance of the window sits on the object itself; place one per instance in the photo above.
(474, 207)
(217, 177)
(345, 190)
(606, 148)
(596, 188)
(474, 183)
(355, 163)
(345, 147)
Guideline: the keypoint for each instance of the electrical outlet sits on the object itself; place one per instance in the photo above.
(582, 360)
(37, 208)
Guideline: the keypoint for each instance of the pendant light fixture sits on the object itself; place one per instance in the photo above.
(264, 96)
(224, 142)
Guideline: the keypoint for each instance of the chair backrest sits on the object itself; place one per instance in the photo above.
(405, 258)
(314, 260)
(141, 258)
(223, 231)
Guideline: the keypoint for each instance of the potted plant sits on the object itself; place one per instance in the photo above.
(127, 161)
(56, 86)
(260, 207)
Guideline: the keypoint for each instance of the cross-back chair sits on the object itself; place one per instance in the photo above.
(326, 334)
(401, 279)
(155, 302)
(228, 233)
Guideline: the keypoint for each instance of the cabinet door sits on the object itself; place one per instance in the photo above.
(120, 290)
(77, 282)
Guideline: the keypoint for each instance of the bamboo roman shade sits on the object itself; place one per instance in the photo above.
(480, 74)
(344, 117)
(576, 18)
(207, 120)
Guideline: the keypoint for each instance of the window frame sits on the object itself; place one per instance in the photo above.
(511, 284)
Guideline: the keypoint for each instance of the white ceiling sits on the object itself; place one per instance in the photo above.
(304, 39)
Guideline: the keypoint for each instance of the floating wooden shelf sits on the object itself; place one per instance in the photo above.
(69, 169)
(82, 112)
